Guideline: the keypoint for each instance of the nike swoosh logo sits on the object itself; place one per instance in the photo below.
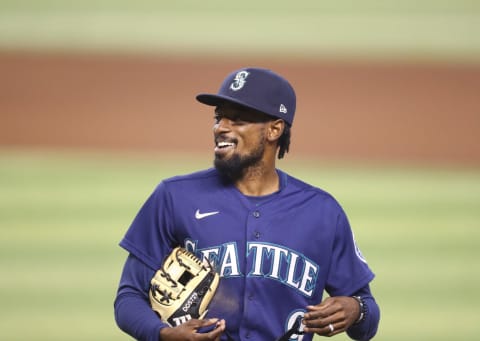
(199, 215)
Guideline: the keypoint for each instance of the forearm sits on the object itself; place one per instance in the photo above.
(367, 328)
(135, 317)
(133, 313)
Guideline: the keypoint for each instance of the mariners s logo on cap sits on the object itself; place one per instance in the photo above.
(239, 81)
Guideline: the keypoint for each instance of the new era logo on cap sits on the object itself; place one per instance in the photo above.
(258, 89)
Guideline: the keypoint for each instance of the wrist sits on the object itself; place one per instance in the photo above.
(164, 333)
(363, 309)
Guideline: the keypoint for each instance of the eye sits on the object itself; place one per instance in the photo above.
(217, 118)
(235, 119)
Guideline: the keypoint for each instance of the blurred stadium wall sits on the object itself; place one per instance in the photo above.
(396, 81)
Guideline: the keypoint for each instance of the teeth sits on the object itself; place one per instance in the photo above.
(224, 144)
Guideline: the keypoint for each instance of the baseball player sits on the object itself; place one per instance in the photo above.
(277, 243)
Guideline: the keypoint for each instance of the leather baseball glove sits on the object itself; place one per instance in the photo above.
(182, 288)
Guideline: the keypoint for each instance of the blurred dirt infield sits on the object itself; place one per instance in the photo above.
(354, 111)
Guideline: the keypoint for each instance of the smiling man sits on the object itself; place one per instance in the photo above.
(277, 243)
(240, 141)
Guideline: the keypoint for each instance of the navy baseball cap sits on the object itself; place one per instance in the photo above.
(258, 89)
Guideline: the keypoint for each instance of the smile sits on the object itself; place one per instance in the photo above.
(223, 146)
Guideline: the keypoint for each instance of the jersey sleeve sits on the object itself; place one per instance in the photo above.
(349, 270)
(149, 237)
(367, 328)
(133, 312)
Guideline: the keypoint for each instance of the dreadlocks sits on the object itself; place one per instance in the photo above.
(284, 142)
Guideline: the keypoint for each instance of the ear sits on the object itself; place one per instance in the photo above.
(275, 130)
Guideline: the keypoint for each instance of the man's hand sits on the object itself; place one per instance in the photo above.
(333, 316)
(189, 331)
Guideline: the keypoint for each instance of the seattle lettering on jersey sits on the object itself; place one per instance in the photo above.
(264, 260)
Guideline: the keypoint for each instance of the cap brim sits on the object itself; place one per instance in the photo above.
(216, 100)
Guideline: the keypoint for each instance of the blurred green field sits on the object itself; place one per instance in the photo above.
(63, 214)
(390, 29)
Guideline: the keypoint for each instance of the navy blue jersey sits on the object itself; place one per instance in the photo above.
(276, 254)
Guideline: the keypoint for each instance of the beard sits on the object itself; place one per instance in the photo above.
(234, 168)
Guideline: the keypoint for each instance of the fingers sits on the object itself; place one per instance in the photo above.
(326, 328)
(323, 310)
(205, 323)
(214, 333)
(327, 318)
(201, 330)
(218, 331)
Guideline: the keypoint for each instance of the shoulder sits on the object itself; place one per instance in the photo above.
(207, 178)
(187, 186)
(293, 185)
(200, 175)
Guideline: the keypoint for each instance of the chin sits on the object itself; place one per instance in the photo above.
(231, 168)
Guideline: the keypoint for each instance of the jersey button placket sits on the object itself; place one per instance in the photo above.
(256, 233)
(249, 321)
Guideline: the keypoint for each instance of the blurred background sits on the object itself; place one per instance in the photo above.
(97, 105)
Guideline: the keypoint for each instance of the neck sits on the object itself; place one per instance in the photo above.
(258, 181)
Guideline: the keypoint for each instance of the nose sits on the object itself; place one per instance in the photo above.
(222, 124)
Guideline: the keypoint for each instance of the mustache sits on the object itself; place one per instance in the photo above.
(219, 139)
